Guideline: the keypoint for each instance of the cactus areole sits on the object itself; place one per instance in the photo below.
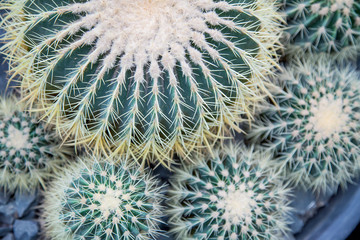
(143, 76)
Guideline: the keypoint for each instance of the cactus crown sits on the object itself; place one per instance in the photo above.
(145, 76)
(29, 153)
(315, 129)
(324, 25)
(103, 201)
(231, 196)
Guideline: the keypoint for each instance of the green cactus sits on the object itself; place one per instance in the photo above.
(230, 196)
(29, 152)
(103, 201)
(145, 77)
(331, 26)
(315, 128)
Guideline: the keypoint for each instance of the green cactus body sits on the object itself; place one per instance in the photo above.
(103, 201)
(146, 77)
(331, 26)
(29, 153)
(231, 196)
(315, 128)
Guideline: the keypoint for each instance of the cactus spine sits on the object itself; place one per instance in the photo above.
(29, 152)
(103, 201)
(331, 26)
(146, 77)
(315, 129)
(231, 196)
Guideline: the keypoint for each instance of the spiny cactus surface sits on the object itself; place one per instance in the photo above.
(29, 152)
(143, 76)
(331, 26)
(231, 196)
(315, 129)
(103, 201)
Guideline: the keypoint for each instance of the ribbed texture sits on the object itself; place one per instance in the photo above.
(145, 77)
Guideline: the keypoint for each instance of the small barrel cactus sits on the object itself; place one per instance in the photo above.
(230, 196)
(331, 26)
(29, 152)
(103, 201)
(315, 127)
(146, 77)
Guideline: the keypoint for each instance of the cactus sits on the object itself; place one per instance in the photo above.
(331, 26)
(29, 152)
(315, 129)
(145, 77)
(232, 195)
(103, 201)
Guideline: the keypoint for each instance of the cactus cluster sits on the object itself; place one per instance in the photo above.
(103, 201)
(146, 77)
(132, 82)
(229, 196)
(315, 127)
(29, 152)
(331, 26)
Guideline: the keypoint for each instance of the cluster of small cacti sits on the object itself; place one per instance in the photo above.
(315, 127)
(94, 200)
(232, 195)
(29, 152)
(133, 82)
(148, 77)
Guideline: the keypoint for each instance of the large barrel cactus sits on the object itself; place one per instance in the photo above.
(232, 195)
(29, 152)
(315, 127)
(331, 26)
(149, 77)
(103, 201)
